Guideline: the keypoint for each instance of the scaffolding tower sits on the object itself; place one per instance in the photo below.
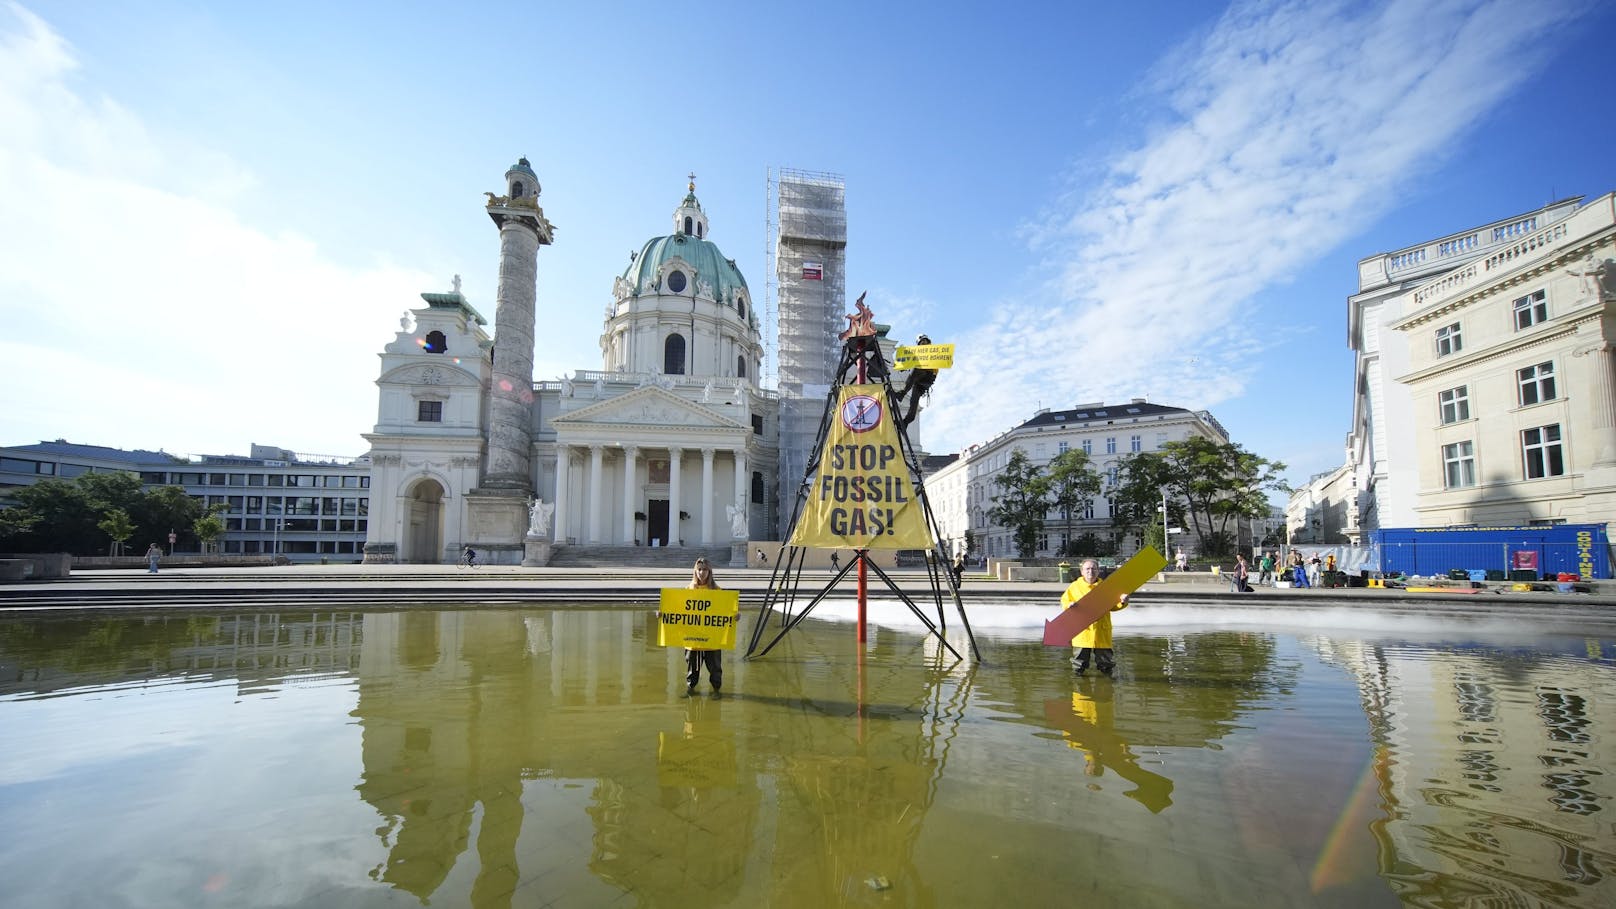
(806, 298)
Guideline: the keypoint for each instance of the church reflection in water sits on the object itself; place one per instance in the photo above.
(486, 731)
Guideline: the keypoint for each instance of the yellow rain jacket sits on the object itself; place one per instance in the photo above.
(1098, 634)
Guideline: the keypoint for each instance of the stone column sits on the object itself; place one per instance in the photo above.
(675, 538)
(592, 504)
(742, 487)
(1602, 400)
(563, 480)
(707, 497)
(510, 396)
(630, 461)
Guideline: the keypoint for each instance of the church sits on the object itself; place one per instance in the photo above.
(672, 442)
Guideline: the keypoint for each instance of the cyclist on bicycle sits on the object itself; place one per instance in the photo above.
(469, 558)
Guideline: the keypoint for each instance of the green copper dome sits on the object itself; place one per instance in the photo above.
(708, 273)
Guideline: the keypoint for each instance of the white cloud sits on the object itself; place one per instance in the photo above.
(145, 308)
(1289, 127)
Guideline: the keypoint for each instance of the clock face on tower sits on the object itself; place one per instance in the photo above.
(861, 413)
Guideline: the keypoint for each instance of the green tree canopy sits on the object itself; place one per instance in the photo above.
(1022, 501)
(1073, 483)
(1208, 485)
(66, 515)
(117, 526)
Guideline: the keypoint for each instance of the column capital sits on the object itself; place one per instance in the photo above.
(707, 452)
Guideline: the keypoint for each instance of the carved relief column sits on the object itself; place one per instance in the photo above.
(630, 462)
(707, 496)
(563, 474)
(741, 497)
(675, 538)
(1602, 402)
(592, 505)
(522, 230)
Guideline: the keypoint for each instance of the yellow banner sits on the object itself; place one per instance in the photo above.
(925, 356)
(698, 619)
(861, 497)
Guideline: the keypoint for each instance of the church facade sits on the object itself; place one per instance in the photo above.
(672, 442)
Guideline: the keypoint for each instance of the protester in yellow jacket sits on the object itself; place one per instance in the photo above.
(1095, 640)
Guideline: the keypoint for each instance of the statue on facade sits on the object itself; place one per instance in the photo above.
(707, 393)
(404, 321)
(737, 521)
(1598, 278)
(566, 386)
(538, 518)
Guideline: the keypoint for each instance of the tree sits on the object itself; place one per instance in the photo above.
(1022, 502)
(66, 515)
(1073, 484)
(208, 528)
(117, 525)
(1209, 483)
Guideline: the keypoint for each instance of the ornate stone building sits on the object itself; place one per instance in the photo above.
(672, 442)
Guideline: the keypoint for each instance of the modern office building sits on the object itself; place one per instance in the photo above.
(307, 508)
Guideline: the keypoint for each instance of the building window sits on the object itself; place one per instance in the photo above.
(673, 354)
(1088, 509)
(757, 424)
(1448, 340)
(1455, 404)
(676, 281)
(1459, 465)
(1542, 452)
(435, 342)
(1537, 383)
(429, 412)
(1530, 310)
(740, 367)
(757, 487)
(1110, 444)
(1062, 447)
(1135, 444)
(1088, 446)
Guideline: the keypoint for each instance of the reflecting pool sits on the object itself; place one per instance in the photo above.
(531, 757)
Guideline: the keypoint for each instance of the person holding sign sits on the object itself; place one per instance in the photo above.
(1094, 641)
(701, 578)
(915, 387)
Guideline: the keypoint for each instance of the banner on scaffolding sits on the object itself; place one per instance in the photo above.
(862, 496)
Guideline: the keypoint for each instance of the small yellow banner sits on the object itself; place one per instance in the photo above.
(925, 356)
(698, 619)
(861, 496)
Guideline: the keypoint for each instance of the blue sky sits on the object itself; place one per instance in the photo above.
(212, 215)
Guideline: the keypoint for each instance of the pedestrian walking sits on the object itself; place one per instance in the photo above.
(154, 553)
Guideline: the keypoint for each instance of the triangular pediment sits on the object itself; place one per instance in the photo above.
(649, 407)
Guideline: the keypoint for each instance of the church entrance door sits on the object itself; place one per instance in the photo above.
(424, 544)
(656, 527)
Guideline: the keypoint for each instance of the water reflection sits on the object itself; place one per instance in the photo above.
(527, 757)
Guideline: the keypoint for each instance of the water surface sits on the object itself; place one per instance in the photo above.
(532, 757)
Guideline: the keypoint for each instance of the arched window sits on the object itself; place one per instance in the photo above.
(757, 487)
(698, 231)
(687, 224)
(517, 189)
(435, 342)
(740, 367)
(740, 307)
(673, 355)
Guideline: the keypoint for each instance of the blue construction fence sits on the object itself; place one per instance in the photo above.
(1549, 551)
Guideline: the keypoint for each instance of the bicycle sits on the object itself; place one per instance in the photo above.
(468, 559)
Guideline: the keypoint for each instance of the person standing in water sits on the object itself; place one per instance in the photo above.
(701, 578)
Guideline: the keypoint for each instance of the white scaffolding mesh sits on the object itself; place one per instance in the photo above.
(808, 293)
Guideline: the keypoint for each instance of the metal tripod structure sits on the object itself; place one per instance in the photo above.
(861, 356)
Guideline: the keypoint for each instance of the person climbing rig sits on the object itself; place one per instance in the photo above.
(916, 386)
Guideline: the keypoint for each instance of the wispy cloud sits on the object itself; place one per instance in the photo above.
(127, 252)
(1287, 127)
